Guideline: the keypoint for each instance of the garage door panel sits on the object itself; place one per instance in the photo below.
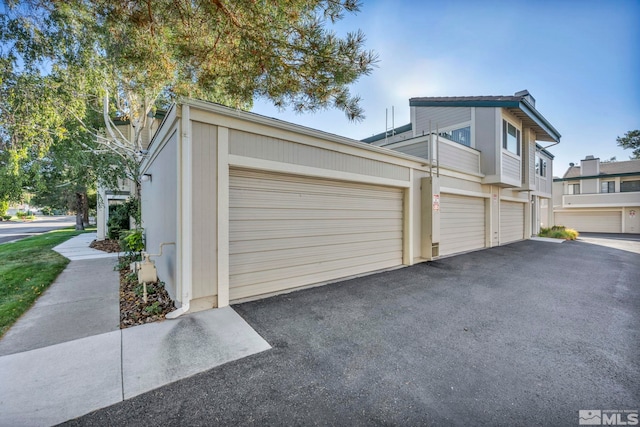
(278, 285)
(511, 221)
(254, 198)
(594, 222)
(265, 260)
(288, 231)
(249, 181)
(462, 224)
(267, 244)
(312, 267)
(310, 232)
(297, 214)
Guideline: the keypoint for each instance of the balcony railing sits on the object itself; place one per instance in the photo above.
(601, 200)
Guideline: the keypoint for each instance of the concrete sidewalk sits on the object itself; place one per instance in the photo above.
(77, 249)
(67, 356)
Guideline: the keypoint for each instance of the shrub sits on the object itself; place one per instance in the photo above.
(119, 217)
(559, 232)
(132, 241)
(4, 205)
(6, 217)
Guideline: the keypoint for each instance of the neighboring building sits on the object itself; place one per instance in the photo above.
(248, 206)
(599, 196)
(107, 198)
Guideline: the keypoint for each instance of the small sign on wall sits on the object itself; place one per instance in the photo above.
(436, 202)
(632, 213)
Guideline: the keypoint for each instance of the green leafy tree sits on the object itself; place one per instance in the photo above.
(631, 141)
(73, 59)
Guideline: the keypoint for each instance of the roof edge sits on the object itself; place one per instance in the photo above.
(606, 175)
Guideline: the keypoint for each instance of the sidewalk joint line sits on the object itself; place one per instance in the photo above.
(122, 364)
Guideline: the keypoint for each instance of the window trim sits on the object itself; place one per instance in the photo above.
(609, 184)
(505, 129)
(627, 181)
(541, 166)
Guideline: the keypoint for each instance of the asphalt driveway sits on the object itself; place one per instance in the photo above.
(524, 334)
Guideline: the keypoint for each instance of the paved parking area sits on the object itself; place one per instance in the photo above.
(524, 334)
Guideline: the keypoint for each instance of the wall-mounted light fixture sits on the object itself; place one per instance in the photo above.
(146, 177)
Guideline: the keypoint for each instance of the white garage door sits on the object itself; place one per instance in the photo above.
(461, 224)
(595, 222)
(288, 231)
(511, 221)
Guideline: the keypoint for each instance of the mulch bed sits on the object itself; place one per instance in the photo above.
(107, 245)
(133, 310)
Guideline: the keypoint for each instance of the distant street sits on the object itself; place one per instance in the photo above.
(11, 231)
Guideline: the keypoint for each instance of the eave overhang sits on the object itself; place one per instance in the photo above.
(521, 109)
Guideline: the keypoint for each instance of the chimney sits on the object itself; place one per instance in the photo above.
(590, 166)
(527, 97)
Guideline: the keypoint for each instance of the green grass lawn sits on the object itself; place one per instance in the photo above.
(27, 268)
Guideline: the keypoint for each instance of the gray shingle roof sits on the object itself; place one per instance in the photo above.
(467, 98)
(609, 168)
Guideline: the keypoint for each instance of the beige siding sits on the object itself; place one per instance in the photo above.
(159, 211)
(452, 156)
(398, 137)
(268, 148)
(543, 219)
(631, 219)
(462, 223)
(589, 186)
(511, 221)
(204, 209)
(418, 149)
(288, 231)
(531, 160)
(462, 184)
(544, 184)
(593, 221)
(510, 167)
(440, 116)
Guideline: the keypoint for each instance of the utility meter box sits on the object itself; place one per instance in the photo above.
(147, 272)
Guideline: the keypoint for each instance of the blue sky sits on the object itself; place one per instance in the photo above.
(580, 59)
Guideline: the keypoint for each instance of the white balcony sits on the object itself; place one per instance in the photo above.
(601, 200)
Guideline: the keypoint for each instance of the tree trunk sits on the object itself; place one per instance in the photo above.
(85, 209)
(79, 205)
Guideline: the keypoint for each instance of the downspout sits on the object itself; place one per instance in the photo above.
(549, 146)
(185, 237)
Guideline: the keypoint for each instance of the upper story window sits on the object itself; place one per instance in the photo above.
(541, 166)
(461, 136)
(573, 189)
(608, 186)
(510, 137)
(626, 186)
